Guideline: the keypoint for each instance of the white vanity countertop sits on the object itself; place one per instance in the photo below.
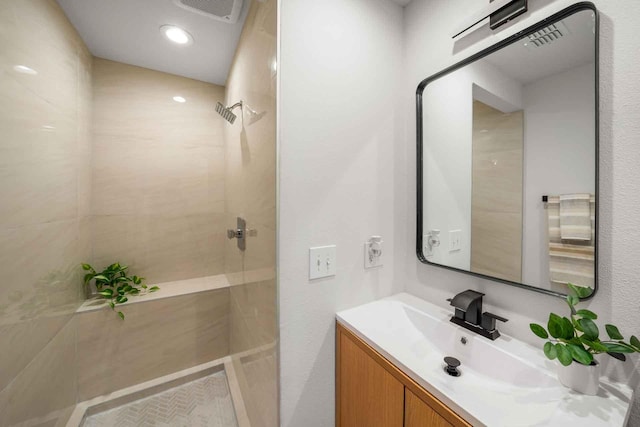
(505, 382)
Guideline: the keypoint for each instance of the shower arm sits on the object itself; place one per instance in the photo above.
(236, 105)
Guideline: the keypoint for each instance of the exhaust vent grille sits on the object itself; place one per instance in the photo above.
(547, 35)
(221, 10)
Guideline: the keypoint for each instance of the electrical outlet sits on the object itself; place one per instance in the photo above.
(322, 262)
(373, 252)
(455, 240)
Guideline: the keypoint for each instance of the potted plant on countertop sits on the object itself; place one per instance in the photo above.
(114, 285)
(574, 341)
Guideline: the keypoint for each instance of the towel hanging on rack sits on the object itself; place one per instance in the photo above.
(570, 260)
(575, 217)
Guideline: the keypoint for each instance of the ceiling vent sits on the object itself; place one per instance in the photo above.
(547, 35)
(221, 10)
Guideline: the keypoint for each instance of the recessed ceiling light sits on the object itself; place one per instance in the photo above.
(179, 99)
(23, 69)
(176, 34)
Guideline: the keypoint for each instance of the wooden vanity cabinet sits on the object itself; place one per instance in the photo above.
(371, 392)
(419, 413)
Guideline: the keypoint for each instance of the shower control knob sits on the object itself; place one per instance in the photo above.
(235, 234)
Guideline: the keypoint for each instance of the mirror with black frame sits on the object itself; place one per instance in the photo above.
(507, 158)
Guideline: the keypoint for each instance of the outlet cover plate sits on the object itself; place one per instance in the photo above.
(375, 261)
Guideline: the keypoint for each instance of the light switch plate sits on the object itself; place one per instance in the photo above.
(455, 240)
(322, 262)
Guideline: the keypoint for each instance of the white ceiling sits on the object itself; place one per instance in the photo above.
(526, 64)
(128, 31)
(402, 2)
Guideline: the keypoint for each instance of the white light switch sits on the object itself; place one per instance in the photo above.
(455, 240)
(322, 262)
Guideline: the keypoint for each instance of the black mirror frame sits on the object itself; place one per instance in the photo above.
(419, 118)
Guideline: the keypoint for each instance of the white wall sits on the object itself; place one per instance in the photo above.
(429, 49)
(340, 64)
(448, 126)
(559, 157)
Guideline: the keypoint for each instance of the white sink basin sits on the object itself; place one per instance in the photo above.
(502, 383)
(435, 338)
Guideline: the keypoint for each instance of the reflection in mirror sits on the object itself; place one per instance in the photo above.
(508, 179)
(496, 191)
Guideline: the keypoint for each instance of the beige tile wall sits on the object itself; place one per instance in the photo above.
(496, 196)
(158, 177)
(45, 155)
(156, 338)
(98, 163)
(250, 178)
(45, 392)
(158, 205)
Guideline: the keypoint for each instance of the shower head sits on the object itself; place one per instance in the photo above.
(252, 115)
(227, 112)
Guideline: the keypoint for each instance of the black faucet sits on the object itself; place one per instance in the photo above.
(468, 314)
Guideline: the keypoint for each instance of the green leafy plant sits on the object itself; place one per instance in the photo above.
(114, 285)
(577, 337)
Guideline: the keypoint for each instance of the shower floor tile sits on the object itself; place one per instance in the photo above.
(205, 402)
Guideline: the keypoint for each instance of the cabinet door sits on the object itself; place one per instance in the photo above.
(419, 414)
(369, 396)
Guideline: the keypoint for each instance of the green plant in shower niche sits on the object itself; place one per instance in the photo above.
(113, 284)
(577, 337)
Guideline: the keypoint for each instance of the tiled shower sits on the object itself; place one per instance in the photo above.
(99, 163)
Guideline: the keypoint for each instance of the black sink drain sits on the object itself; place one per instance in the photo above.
(452, 366)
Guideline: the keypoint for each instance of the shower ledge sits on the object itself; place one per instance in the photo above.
(187, 286)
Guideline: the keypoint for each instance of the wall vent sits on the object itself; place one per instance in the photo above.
(221, 10)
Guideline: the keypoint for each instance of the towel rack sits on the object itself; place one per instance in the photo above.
(545, 199)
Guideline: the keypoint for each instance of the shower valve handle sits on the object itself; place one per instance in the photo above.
(235, 234)
(240, 233)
